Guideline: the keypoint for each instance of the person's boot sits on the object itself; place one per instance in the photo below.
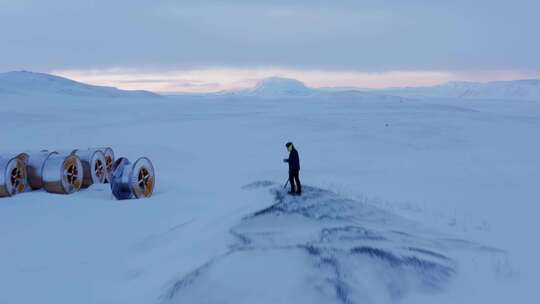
(293, 190)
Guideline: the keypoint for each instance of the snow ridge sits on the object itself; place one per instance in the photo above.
(508, 90)
(288, 88)
(31, 83)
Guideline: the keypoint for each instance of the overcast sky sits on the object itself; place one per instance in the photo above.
(210, 45)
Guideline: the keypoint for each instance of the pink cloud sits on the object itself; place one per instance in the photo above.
(219, 79)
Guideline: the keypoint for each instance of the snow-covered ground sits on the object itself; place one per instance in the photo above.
(410, 201)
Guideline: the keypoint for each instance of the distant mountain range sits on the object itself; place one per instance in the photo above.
(31, 83)
(277, 87)
(287, 88)
(509, 90)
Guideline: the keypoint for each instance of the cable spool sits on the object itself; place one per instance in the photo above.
(109, 160)
(62, 174)
(132, 180)
(23, 157)
(13, 176)
(94, 166)
(34, 165)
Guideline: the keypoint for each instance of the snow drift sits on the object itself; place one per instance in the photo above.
(323, 248)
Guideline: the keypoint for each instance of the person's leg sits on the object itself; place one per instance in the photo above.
(297, 182)
(292, 181)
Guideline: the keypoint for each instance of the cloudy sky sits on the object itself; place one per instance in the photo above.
(211, 45)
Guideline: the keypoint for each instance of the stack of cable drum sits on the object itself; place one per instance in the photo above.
(66, 172)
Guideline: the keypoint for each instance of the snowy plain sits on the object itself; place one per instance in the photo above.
(435, 168)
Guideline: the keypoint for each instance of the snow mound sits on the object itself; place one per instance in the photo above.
(31, 83)
(322, 248)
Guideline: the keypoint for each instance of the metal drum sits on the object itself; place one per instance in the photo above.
(12, 176)
(135, 180)
(94, 166)
(62, 174)
(34, 166)
(109, 160)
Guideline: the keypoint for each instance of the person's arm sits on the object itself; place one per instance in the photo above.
(286, 160)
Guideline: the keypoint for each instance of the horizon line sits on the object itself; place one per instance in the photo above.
(218, 80)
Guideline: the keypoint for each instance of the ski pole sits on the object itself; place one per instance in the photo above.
(285, 186)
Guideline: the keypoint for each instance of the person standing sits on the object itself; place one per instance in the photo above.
(294, 169)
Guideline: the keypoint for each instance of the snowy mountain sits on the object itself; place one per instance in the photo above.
(276, 86)
(31, 83)
(509, 90)
(280, 88)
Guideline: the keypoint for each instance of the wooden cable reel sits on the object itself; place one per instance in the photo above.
(62, 174)
(68, 171)
(143, 178)
(94, 166)
(23, 157)
(132, 180)
(34, 165)
(13, 176)
(109, 160)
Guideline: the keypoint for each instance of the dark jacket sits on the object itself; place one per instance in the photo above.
(294, 160)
